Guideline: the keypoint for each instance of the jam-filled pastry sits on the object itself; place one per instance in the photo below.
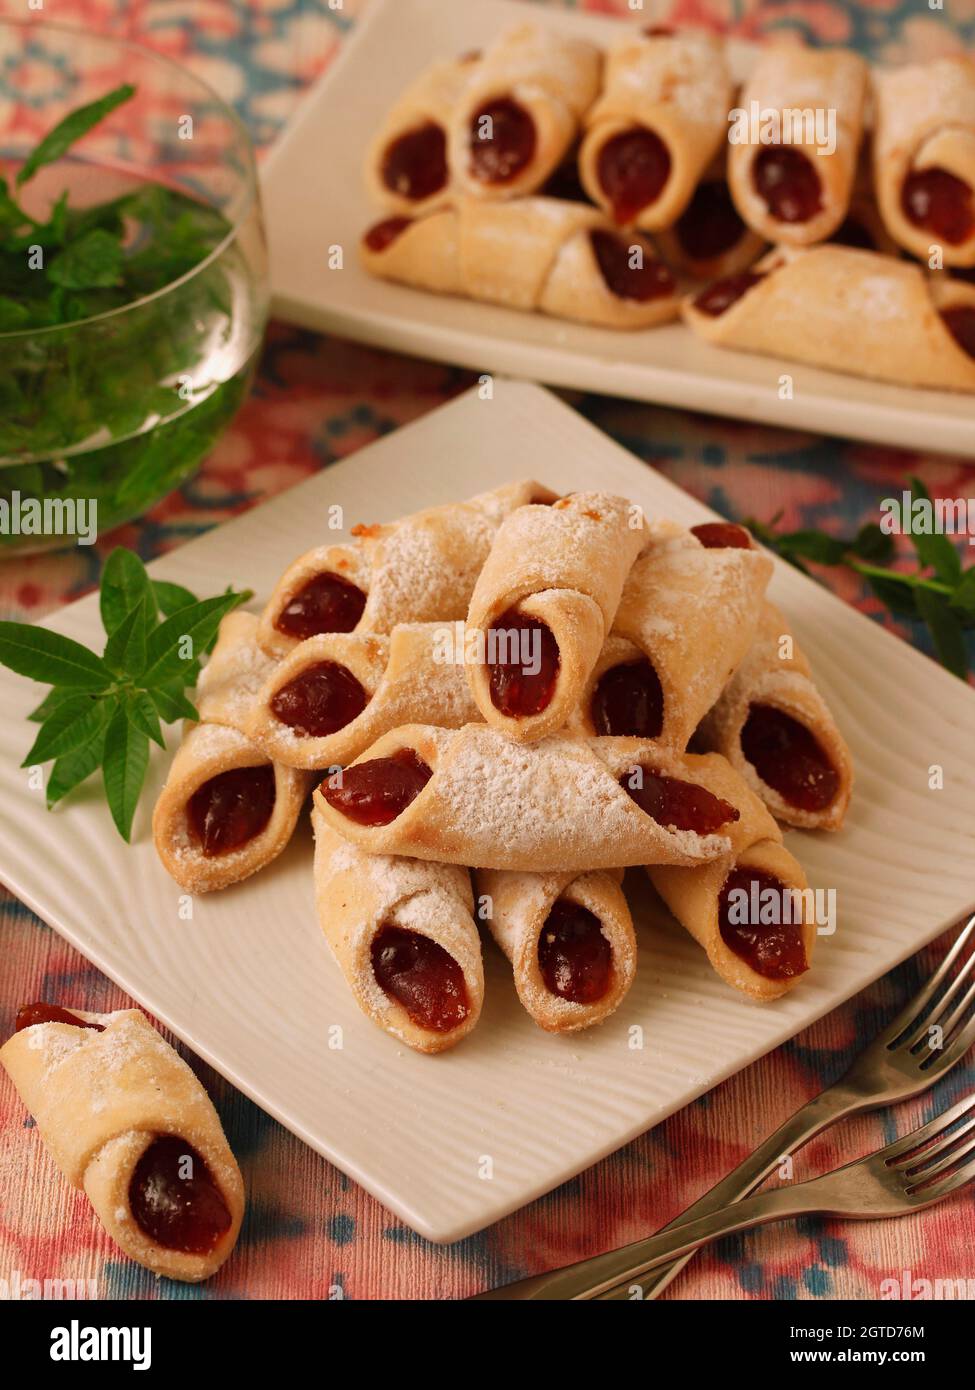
(924, 157)
(418, 569)
(569, 938)
(333, 695)
(407, 167)
(758, 935)
(404, 936)
(710, 240)
(226, 810)
(545, 254)
(234, 674)
(776, 730)
(661, 119)
(519, 114)
(688, 615)
(543, 605)
(128, 1123)
(473, 796)
(797, 192)
(849, 310)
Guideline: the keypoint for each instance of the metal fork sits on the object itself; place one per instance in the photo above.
(908, 1175)
(901, 1062)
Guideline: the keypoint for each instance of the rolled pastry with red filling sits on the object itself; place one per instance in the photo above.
(924, 157)
(543, 605)
(569, 938)
(473, 796)
(334, 695)
(234, 675)
(128, 1123)
(407, 167)
(776, 730)
(543, 254)
(787, 187)
(710, 240)
(404, 936)
(744, 909)
(418, 569)
(661, 119)
(226, 810)
(849, 310)
(520, 112)
(688, 615)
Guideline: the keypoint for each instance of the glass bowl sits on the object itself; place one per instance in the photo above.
(102, 416)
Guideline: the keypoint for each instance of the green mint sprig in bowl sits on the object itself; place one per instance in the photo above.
(103, 711)
(939, 592)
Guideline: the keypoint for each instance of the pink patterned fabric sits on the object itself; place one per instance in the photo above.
(310, 1232)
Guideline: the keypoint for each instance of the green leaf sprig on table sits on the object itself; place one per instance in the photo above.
(940, 592)
(103, 711)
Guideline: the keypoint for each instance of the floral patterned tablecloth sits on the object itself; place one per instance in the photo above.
(309, 1229)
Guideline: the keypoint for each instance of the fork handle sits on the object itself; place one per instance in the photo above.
(589, 1278)
(809, 1120)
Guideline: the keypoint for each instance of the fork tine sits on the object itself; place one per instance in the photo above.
(920, 1166)
(936, 1013)
(911, 1012)
(943, 1060)
(960, 1009)
(931, 1130)
(924, 1196)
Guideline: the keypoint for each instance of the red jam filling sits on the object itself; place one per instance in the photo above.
(501, 156)
(325, 697)
(327, 603)
(377, 791)
(175, 1200)
(774, 950)
(50, 1013)
(788, 184)
(650, 279)
(629, 701)
(788, 758)
(231, 809)
(384, 233)
(632, 169)
(574, 957)
(722, 535)
(940, 203)
(960, 322)
(709, 225)
(723, 293)
(415, 165)
(525, 665)
(675, 804)
(421, 976)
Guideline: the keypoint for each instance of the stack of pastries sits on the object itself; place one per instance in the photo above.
(493, 701)
(543, 174)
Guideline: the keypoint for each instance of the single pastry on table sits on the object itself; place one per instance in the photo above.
(687, 617)
(776, 730)
(659, 122)
(849, 310)
(797, 192)
(924, 157)
(569, 938)
(519, 113)
(546, 254)
(407, 167)
(474, 796)
(404, 936)
(542, 606)
(749, 909)
(335, 694)
(421, 568)
(128, 1123)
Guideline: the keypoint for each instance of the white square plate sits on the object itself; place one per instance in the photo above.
(315, 198)
(249, 983)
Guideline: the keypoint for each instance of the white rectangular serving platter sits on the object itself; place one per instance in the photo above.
(249, 983)
(315, 200)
